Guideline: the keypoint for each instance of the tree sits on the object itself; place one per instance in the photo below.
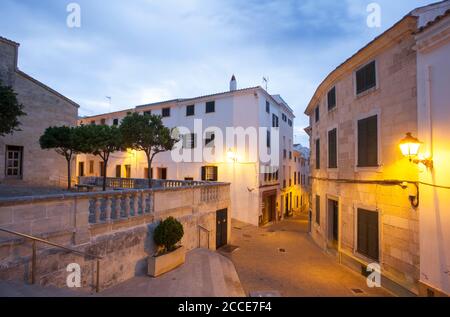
(10, 111)
(65, 141)
(147, 133)
(101, 140)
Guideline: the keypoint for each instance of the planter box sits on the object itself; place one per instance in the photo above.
(166, 263)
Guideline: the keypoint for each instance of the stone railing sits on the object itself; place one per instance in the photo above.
(120, 205)
(137, 183)
(116, 225)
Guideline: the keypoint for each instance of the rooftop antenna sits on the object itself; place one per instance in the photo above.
(266, 82)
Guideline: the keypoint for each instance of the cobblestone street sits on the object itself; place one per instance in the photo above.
(283, 259)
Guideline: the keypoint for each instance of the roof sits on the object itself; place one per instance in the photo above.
(435, 21)
(51, 90)
(4, 39)
(421, 13)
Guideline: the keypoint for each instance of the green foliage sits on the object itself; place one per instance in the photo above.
(100, 140)
(66, 141)
(10, 111)
(146, 133)
(168, 233)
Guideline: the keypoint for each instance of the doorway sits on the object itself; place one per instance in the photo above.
(333, 222)
(221, 228)
(81, 169)
(269, 208)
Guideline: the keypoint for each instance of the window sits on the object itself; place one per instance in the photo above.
(366, 78)
(14, 159)
(146, 173)
(210, 173)
(116, 122)
(91, 167)
(166, 112)
(127, 171)
(93, 122)
(318, 154)
(284, 117)
(118, 171)
(190, 110)
(290, 155)
(103, 121)
(290, 122)
(209, 140)
(275, 121)
(368, 239)
(267, 107)
(268, 139)
(332, 148)
(284, 153)
(317, 114)
(101, 167)
(148, 113)
(318, 209)
(81, 169)
(368, 142)
(210, 107)
(295, 178)
(189, 141)
(331, 99)
(162, 172)
(188, 178)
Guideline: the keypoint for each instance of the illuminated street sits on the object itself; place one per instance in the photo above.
(302, 270)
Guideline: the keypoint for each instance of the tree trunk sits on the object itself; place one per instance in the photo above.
(149, 170)
(105, 168)
(69, 174)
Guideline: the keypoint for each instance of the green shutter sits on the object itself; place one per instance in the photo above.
(203, 173)
(332, 148)
(368, 142)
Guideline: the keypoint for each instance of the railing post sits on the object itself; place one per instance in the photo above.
(33, 264)
(97, 287)
(97, 209)
(126, 210)
(108, 208)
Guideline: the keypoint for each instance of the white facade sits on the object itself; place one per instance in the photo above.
(433, 91)
(244, 108)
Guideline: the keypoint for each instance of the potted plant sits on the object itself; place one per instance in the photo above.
(169, 254)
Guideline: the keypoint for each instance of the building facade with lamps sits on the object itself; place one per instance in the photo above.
(257, 188)
(433, 93)
(365, 193)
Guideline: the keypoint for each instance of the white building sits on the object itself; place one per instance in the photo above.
(259, 194)
(433, 92)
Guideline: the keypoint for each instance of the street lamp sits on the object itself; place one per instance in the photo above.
(410, 146)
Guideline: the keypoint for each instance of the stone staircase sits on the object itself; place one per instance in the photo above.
(20, 289)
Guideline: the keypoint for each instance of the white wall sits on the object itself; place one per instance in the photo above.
(434, 99)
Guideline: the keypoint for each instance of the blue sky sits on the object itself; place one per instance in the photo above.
(142, 51)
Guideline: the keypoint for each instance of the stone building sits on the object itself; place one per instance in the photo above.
(433, 78)
(261, 192)
(21, 159)
(364, 198)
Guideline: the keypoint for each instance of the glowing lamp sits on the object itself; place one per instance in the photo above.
(231, 155)
(410, 148)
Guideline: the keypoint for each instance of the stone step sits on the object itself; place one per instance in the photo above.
(20, 289)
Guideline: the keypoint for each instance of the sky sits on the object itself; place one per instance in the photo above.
(143, 51)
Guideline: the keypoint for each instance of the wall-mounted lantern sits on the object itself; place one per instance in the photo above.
(231, 155)
(410, 148)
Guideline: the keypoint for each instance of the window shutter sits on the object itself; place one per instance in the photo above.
(216, 175)
(318, 209)
(368, 142)
(332, 148)
(331, 98)
(203, 173)
(368, 239)
(318, 154)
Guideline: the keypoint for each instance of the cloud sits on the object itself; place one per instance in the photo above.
(146, 50)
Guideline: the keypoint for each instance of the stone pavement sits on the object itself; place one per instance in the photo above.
(283, 259)
(205, 274)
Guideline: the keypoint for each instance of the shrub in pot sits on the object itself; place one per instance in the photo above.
(169, 255)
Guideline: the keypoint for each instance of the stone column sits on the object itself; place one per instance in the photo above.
(108, 208)
(126, 206)
(97, 208)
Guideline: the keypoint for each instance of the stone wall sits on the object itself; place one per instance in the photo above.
(44, 108)
(394, 101)
(124, 241)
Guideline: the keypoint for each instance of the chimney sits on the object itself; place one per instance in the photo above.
(233, 84)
